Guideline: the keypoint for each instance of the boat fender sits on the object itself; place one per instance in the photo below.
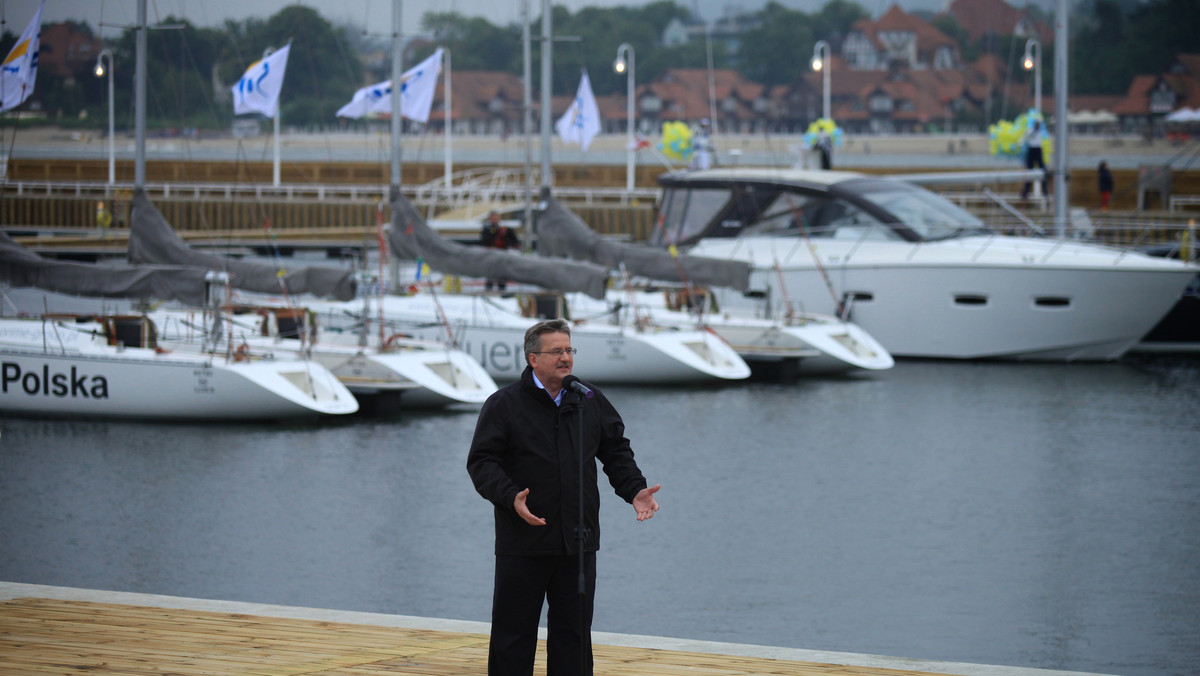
(242, 353)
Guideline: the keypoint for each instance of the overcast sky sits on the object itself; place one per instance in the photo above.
(375, 14)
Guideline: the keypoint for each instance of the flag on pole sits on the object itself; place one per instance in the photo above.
(417, 87)
(19, 71)
(258, 90)
(581, 122)
(369, 100)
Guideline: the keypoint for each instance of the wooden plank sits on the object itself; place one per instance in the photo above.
(39, 636)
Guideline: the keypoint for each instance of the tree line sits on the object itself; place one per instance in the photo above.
(1112, 40)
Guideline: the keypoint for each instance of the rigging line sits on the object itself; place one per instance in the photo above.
(812, 250)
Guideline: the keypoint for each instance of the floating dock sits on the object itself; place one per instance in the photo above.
(63, 630)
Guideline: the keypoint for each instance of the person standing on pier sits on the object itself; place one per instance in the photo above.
(496, 235)
(1033, 156)
(1104, 180)
(525, 460)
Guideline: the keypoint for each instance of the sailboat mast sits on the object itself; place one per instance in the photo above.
(1062, 197)
(139, 97)
(397, 73)
(527, 122)
(546, 113)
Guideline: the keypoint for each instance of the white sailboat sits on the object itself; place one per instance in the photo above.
(405, 373)
(778, 348)
(492, 330)
(113, 367)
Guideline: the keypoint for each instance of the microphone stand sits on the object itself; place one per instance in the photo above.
(583, 657)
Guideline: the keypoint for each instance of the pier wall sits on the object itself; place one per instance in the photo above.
(343, 216)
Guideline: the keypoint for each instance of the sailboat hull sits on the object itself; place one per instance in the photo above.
(63, 373)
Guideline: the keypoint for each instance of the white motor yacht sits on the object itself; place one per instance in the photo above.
(923, 276)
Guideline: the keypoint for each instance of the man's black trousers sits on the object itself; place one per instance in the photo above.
(522, 583)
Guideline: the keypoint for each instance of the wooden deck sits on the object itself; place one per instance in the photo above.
(62, 630)
(51, 636)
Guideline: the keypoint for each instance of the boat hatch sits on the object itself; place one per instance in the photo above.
(131, 332)
(544, 306)
(970, 299)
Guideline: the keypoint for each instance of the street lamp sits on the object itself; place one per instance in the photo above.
(625, 64)
(1030, 62)
(821, 62)
(100, 72)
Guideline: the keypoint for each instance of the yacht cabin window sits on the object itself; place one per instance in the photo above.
(791, 214)
(922, 212)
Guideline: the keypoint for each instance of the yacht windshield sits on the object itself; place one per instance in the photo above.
(926, 214)
(792, 214)
(688, 213)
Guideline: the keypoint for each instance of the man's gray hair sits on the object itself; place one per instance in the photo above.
(533, 337)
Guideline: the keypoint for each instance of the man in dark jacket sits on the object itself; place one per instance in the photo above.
(496, 235)
(524, 459)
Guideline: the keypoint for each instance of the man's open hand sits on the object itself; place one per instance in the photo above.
(644, 502)
(524, 513)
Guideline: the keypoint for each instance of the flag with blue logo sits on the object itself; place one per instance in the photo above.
(19, 71)
(417, 87)
(258, 90)
(581, 122)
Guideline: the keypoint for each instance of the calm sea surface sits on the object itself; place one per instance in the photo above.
(1021, 514)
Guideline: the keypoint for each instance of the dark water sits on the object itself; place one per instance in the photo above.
(1021, 514)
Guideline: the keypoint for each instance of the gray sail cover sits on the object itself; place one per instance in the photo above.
(20, 267)
(152, 240)
(411, 238)
(563, 234)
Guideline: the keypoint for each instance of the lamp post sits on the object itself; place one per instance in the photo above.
(625, 64)
(1030, 62)
(820, 61)
(100, 72)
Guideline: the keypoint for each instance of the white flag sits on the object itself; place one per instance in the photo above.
(581, 122)
(258, 90)
(417, 87)
(19, 71)
(374, 99)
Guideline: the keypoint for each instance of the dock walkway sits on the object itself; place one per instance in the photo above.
(61, 630)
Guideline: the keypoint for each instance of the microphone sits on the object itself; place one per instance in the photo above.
(575, 384)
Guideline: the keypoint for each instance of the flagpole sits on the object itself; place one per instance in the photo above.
(449, 168)
(527, 123)
(397, 107)
(547, 75)
(139, 98)
(275, 128)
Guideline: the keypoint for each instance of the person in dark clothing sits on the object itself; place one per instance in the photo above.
(1105, 180)
(1033, 156)
(524, 459)
(496, 235)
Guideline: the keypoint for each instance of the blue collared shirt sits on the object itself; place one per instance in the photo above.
(558, 399)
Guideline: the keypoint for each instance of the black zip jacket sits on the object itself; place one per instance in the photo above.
(522, 440)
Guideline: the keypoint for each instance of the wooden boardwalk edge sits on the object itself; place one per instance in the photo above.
(64, 630)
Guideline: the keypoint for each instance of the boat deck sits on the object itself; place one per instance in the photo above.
(71, 631)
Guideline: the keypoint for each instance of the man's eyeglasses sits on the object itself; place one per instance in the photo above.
(559, 351)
